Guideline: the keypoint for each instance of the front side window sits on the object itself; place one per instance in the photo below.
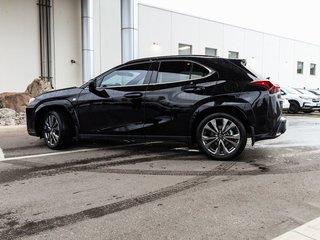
(126, 76)
(312, 69)
(300, 67)
(184, 49)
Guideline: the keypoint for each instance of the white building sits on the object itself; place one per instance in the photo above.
(81, 38)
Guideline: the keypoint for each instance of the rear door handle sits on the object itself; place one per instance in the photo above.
(192, 89)
(133, 95)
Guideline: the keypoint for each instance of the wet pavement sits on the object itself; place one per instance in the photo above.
(148, 191)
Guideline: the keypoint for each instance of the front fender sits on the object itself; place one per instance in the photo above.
(60, 103)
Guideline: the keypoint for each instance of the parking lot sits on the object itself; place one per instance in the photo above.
(104, 190)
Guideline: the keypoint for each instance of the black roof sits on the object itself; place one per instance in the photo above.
(186, 57)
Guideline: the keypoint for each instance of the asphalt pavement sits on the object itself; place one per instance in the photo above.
(110, 190)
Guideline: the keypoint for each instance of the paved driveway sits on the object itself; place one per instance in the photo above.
(158, 191)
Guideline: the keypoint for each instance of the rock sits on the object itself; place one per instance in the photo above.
(15, 101)
(7, 113)
(9, 117)
(38, 86)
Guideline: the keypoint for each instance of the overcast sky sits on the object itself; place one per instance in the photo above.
(289, 18)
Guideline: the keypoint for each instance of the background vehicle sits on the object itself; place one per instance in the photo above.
(214, 102)
(315, 91)
(315, 99)
(298, 101)
(284, 103)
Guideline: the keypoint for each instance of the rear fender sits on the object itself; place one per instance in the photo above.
(242, 110)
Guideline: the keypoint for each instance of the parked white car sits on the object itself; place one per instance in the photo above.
(285, 103)
(299, 101)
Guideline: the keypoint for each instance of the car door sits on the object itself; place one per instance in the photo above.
(172, 95)
(119, 112)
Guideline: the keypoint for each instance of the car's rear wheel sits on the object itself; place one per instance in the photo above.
(57, 130)
(294, 107)
(221, 136)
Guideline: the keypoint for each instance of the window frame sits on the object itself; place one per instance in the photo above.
(189, 45)
(211, 48)
(302, 72)
(315, 69)
(211, 72)
(146, 80)
(238, 54)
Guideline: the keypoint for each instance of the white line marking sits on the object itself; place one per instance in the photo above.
(49, 154)
(1, 154)
(73, 151)
(310, 230)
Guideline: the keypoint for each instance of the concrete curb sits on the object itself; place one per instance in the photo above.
(310, 230)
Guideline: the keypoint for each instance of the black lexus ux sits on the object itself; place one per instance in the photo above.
(213, 102)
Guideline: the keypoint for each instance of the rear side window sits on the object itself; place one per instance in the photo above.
(175, 71)
(198, 71)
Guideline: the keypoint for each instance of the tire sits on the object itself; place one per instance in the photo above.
(221, 136)
(294, 108)
(308, 111)
(57, 131)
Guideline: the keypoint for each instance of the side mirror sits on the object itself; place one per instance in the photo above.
(93, 88)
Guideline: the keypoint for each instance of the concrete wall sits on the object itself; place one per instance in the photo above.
(19, 44)
(160, 32)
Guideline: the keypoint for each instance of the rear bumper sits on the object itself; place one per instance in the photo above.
(280, 129)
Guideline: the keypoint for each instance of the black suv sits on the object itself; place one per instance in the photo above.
(216, 103)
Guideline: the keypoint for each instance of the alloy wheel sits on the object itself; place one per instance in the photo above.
(221, 136)
(51, 130)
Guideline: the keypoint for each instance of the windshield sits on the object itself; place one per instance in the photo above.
(305, 92)
(317, 92)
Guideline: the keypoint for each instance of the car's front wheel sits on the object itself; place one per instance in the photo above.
(221, 136)
(294, 107)
(56, 130)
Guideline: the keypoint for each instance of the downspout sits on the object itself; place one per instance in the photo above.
(87, 39)
(129, 30)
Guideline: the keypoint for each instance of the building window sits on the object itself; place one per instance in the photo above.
(211, 51)
(313, 69)
(233, 55)
(300, 67)
(185, 49)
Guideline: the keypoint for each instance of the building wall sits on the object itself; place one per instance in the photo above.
(107, 35)
(67, 43)
(19, 44)
(160, 32)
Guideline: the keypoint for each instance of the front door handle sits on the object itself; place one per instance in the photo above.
(133, 95)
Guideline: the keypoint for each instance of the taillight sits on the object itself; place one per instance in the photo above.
(273, 88)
